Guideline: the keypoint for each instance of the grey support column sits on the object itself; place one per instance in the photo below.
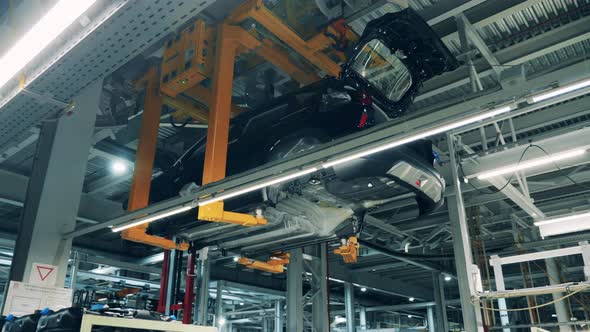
(561, 309)
(220, 321)
(203, 294)
(278, 317)
(349, 307)
(171, 276)
(295, 292)
(55, 188)
(430, 315)
(363, 318)
(442, 324)
(472, 319)
(320, 301)
(74, 270)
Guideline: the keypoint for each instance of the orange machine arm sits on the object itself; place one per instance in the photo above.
(144, 163)
(230, 39)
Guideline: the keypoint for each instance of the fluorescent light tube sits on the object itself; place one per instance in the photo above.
(562, 219)
(532, 163)
(153, 217)
(564, 225)
(51, 25)
(421, 135)
(559, 91)
(248, 189)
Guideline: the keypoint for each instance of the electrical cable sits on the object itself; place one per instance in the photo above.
(559, 168)
(540, 305)
(551, 278)
(494, 191)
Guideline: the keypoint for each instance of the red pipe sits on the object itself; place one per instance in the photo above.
(164, 282)
(189, 295)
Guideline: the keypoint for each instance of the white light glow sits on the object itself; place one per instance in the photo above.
(421, 135)
(559, 91)
(221, 321)
(255, 187)
(363, 289)
(153, 217)
(236, 258)
(562, 219)
(47, 29)
(448, 278)
(411, 299)
(241, 303)
(532, 163)
(118, 167)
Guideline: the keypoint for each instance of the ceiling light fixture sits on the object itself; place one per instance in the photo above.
(247, 189)
(153, 217)
(564, 224)
(448, 278)
(118, 167)
(363, 289)
(559, 91)
(562, 219)
(532, 163)
(411, 299)
(47, 29)
(421, 135)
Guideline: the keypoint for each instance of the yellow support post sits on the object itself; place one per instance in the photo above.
(144, 163)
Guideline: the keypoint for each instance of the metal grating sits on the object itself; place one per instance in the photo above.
(132, 29)
(526, 23)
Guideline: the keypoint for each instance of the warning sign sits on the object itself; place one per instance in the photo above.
(43, 274)
(23, 298)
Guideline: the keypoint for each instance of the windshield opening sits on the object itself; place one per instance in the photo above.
(383, 70)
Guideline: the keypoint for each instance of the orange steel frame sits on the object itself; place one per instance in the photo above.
(139, 192)
(231, 40)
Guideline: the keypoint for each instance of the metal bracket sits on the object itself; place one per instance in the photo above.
(215, 212)
(275, 264)
(349, 250)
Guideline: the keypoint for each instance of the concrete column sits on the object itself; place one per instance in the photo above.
(265, 325)
(278, 317)
(320, 301)
(430, 315)
(220, 321)
(561, 308)
(472, 319)
(349, 307)
(55, 188)
(295, 292)
(442, 323)
(363, 318)
(203, 293)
